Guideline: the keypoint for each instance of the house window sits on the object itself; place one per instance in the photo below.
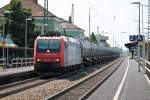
(38, 27)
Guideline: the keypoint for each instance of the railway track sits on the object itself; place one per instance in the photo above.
(82, 89)
(13, 88)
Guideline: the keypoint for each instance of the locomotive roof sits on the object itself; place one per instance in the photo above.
(50, 37)
(58, 37)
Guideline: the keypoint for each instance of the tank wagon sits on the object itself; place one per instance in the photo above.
(60, 53)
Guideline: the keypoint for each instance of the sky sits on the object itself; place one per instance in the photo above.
(115, 18)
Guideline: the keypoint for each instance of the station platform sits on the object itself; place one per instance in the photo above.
(12, 71)
(126, 83)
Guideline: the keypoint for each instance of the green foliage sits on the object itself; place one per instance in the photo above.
(16, 22)
(93, 38)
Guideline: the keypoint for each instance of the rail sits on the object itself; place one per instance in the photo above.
(88, 84)
(16, 62)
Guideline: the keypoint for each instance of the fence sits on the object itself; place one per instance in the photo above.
(16, 62)
(146, 65)
(2, 63)
(14, 57)
(22, 62)
(17, 52)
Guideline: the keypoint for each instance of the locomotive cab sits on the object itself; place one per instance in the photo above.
(48, 53)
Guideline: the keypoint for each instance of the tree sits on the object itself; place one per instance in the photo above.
(93, 38)
(15, 23)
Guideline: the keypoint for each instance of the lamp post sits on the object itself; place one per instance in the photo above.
(3, 40)
(3, 36)
(89, 22)
(144, 53)
(139, 5)
(26, 31)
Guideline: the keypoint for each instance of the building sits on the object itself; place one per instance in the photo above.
(54, 23)
(71, 30)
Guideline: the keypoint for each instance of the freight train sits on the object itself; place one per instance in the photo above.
(61, 53)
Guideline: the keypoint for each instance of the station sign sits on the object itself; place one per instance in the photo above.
(136, 37)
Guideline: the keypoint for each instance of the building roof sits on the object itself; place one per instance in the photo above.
(37, 10)
(68, 25)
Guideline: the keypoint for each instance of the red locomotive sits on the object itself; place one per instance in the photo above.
(56, 53)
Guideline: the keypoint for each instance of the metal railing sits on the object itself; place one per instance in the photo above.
(2, 63)
(148, 69)
(22, 62)
(16, 62)
(146, 66)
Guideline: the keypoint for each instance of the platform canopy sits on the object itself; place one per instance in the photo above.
(8, 42)
(131, 44)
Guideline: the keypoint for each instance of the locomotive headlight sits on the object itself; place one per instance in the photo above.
(56, 59)
(38, 59)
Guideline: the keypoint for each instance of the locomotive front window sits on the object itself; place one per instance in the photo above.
(42, 45)
(52, 46)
